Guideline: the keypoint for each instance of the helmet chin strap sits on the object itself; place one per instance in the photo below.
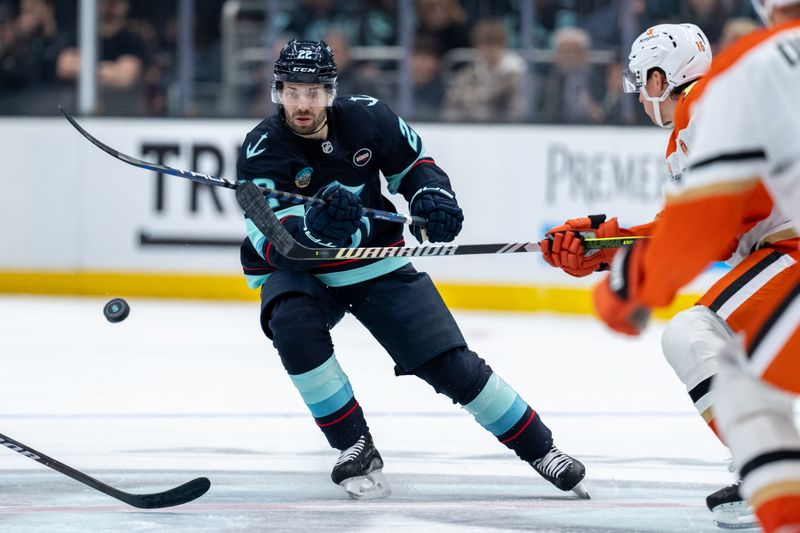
(657, 113)
(657, 109)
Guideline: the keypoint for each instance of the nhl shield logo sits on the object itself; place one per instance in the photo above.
(362, 157)
(327, 147)
(303, 177)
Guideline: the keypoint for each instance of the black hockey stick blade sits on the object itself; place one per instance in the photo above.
(186, 493)
(253, 204)
(218, 181)
(169, 498)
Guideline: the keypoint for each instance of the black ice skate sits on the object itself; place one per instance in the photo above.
(731, 511)
(562, 471)
(358, 470)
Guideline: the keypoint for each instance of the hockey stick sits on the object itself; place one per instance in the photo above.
(217, 181)
(250, 199)
(169, 498)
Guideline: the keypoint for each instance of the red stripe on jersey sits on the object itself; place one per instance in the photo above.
(269, 245)
(426, 160)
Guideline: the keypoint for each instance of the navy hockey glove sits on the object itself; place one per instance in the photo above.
(333, 224)
(439, 207)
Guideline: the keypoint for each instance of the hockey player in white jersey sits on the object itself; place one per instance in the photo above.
(747, 144)
(667, 68)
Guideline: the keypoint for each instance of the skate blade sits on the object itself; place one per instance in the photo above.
(736, 515)
(737, 525)
(370, 487)
(580, 491)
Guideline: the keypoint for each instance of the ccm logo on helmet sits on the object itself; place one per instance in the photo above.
(304, 69)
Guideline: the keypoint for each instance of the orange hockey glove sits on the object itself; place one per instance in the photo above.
(614, 297)
(563, 247)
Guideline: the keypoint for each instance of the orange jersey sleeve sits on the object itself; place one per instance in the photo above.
(693, 232)
(642, 230)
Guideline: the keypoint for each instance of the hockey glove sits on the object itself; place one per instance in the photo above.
(335, 222)
(615, 296)
(439, 207)
(563, 246)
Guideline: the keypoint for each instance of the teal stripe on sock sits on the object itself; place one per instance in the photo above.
(332, 404)
(324, 389)
(511, 417)
(493, 402)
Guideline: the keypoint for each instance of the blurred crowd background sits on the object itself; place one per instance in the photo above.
(543, 61)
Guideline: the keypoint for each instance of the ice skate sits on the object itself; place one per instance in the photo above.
(731, 511)
(358, 470)
(562, 471)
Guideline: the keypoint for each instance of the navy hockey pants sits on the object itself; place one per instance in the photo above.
(404, 312)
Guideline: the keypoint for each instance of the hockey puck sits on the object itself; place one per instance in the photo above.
(116, 310)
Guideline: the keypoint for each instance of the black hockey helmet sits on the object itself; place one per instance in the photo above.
(305, 62)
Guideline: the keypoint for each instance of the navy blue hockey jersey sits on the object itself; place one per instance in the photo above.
(365, 138)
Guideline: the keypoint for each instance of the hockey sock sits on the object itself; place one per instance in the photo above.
(502, 412)
(702, 398)
(300, 333)
(327, 392)
(466, 379)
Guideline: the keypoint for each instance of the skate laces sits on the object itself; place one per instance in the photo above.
(352, 452)
(554, 463)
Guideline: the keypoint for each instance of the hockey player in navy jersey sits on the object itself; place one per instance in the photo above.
(334, 148)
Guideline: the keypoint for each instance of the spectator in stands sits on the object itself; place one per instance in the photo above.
(29, 48)
(352, 78)
(567, 95)
(709, 15)
(160, 28)
(122, 61)
(426, 76)
(606, 24)
(257, 98)
(489, 89)
(611, 111)
(736, 28)
(445, 22)
(312, 19)
(377, 25)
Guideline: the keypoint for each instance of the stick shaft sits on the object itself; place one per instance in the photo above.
(264, 218)
(217, 181)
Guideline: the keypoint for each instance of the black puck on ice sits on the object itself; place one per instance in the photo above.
(116, 310)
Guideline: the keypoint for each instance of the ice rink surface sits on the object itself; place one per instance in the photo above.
(183, 389)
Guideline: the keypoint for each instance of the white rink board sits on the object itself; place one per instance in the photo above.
(67, 206)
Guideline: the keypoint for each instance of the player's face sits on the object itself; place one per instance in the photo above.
(655, 87)
(304, 105)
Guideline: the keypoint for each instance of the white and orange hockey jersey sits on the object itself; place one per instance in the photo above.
(766, 224)
(744, 156)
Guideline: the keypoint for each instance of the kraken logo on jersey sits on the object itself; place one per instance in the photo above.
(303, 177)
(253, 151)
